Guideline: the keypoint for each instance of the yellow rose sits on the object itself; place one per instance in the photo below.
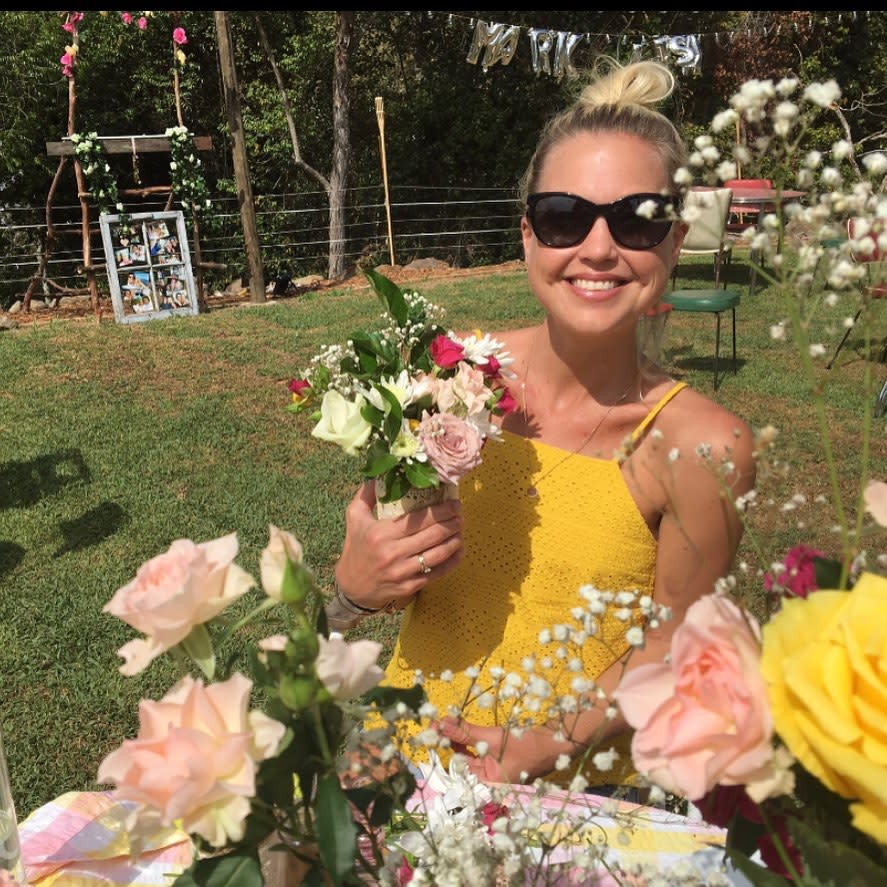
(825, 663)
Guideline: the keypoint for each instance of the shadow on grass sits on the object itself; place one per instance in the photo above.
(25, 483)
(10, 557)
(91, 528)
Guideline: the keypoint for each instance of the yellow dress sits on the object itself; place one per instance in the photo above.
(526, 557)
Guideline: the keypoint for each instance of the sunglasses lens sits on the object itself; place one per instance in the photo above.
(561, 220)
(639, 221)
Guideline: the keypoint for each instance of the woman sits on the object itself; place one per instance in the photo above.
(552, 508)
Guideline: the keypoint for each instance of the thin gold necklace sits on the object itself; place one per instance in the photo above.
(533, 489)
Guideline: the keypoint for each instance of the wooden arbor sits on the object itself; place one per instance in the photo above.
(135, 145)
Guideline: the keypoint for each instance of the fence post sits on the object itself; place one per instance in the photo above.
(380, 117)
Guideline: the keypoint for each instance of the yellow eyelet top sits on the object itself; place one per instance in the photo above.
(582, 528)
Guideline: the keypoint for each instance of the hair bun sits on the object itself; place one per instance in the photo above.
(639, 83)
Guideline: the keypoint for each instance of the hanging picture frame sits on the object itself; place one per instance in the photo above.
(149, 266)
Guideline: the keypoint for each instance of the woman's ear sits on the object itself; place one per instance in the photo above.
(679, 232)
(526, 233)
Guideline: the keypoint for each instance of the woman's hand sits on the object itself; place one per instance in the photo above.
(382, 561)
(506, 757)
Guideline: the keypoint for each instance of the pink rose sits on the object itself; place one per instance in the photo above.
(347, 670)
(464, 394)
(452, 445)
(142, 23)
(171, 593)
(127, 18)
(703, 718)
(194, 760)
(799, 577)
(445, 352)
(491, 367)
(282, 547)
(179, 36)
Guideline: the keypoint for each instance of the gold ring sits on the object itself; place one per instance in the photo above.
(422, 565)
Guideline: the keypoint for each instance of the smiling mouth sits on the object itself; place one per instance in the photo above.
(595, 286)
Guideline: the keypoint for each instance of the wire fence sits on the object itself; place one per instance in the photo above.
(463, 227)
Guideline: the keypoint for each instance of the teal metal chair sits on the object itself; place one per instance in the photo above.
(707, 234)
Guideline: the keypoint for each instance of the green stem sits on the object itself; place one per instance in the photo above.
(800, 333)
(267, 604)
(784, 857)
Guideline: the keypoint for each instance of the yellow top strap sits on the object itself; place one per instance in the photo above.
(636, 434)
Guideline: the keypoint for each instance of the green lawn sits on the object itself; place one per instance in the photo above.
(118, 439)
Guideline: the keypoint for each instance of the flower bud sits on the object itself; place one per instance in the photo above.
(297, 692)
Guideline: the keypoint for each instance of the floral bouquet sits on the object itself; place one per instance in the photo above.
(292, 779)
(775, 727)
(412, 399)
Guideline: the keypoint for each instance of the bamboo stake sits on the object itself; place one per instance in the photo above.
(380, 117)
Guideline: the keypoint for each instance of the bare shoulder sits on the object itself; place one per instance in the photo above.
(694, 425)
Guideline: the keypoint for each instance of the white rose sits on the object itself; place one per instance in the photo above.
(341, 422)
(282, 546)
(348, 670)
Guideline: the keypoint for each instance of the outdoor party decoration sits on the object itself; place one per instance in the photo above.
(412, 399)
(498, 42)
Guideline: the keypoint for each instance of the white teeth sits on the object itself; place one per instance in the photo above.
(594, 285)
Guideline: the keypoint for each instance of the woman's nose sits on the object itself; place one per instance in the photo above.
(599, 241)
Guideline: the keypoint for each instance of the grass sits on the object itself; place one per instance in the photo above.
(117, 439)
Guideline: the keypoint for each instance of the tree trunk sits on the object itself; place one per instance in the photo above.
(241, 163)
(341, 141)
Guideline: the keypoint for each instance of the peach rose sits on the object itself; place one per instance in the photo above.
(348, 670)
(452, 445)
(194, 760)
(464, 394)
(173, 592)
(282, 546)
(702, 719)
(825, 661)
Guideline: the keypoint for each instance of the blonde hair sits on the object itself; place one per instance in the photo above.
(620, 99)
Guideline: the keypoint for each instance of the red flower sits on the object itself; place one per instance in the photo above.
(723, 801)
(490, 812)
(404, 873)
(299, 386)
(491, 367)
(445, 352)
(799, 577)
(506, 403)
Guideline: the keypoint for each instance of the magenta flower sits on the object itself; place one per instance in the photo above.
(445, 352)
(506, 403)
(179, 36)
(142, 23)
(67, 63)
(127, 18)
(798, 578)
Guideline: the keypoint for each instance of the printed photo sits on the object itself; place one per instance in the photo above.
(137, 292)
(157, 230)
(123, 257)
(138, 254)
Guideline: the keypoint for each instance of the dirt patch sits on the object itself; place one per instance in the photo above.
(80, 308)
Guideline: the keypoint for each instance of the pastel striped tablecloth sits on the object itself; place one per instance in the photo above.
(80, 840)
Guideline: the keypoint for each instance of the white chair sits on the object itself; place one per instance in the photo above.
(707, 234)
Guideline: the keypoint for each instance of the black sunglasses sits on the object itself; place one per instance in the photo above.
(561, 220)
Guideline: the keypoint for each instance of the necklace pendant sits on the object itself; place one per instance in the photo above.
(532, 492)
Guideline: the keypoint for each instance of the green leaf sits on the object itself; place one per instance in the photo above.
(232, 870)
(390, 294)
(199, 646)
(832, 862)
(757, 874)
(379, 466)
(421, 475)
(336, 831)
